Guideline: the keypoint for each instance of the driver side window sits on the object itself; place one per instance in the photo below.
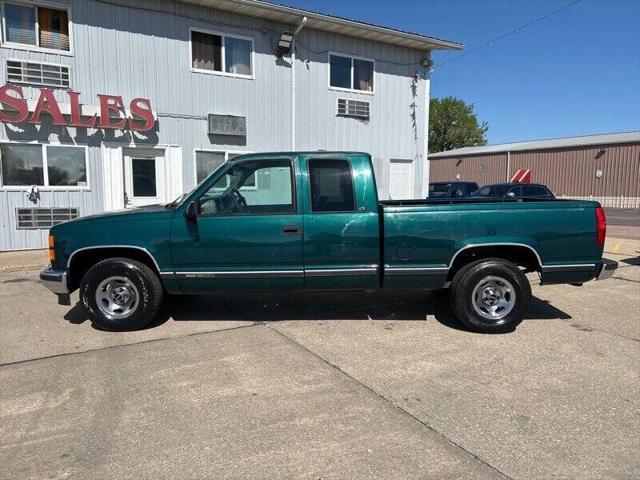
(251, 188)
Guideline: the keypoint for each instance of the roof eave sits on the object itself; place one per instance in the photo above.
(319, 21)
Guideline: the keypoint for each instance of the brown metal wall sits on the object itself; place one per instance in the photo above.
(483, 169)
(572, 171)
(567, 171)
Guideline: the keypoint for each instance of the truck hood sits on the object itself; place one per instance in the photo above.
(122, 212)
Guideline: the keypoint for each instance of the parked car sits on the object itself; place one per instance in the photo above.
(312, 221)
(514, 190)
(451, 189)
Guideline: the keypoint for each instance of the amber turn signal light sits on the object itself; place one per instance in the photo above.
(52, 252)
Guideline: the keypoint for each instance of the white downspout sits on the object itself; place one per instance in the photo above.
(426, 172)
(508, 165)
(293, 83)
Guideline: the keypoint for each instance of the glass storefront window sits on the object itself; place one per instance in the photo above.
(56, 166)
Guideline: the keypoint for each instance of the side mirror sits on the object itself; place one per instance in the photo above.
(511, 195)
(191, 213)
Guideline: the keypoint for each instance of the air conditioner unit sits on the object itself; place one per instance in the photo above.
(353, 108)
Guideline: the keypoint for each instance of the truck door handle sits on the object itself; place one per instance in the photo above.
(291, 230)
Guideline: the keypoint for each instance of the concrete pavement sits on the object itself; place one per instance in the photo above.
(353, 385)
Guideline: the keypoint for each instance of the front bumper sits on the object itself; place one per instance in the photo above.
(55, 280)
(606, 269)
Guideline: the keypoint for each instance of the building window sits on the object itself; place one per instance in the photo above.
(66, 166)
(351, 73)
(36, 26)
(331, 186)
(237, 56)
(22, 165)
(221, 54)
(208, 161)
(50, 166)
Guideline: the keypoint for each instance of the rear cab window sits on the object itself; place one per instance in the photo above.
(534, 191)
(331, 186)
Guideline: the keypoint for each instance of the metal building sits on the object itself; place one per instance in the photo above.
(605, 168)
(107, 104)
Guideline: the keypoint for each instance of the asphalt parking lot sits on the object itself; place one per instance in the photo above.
(623, 222)
(383, 385)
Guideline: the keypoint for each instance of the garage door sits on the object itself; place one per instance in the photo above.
(401, 179)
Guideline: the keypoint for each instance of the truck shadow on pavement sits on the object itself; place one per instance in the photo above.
(633, 261)
(274, 307)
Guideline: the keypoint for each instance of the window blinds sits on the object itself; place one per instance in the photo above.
(54, 28)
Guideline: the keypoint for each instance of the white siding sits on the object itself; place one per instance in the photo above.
(133, 50)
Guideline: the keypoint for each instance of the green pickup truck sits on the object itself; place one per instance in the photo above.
(313, 221)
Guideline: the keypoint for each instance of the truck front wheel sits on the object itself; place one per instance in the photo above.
(121, 294)
(490, 295)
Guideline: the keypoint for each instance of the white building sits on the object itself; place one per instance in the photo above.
(107, 104)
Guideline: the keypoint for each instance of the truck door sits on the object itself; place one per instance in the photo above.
(341, 230)
(246, 234)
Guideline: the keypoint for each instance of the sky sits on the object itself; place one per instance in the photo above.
(574, 73)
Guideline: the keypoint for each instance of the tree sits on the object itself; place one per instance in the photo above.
(453, 124)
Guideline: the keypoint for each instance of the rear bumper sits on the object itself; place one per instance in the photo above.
(55, 280)
(606, 269)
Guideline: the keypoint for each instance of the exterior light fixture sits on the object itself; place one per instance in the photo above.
(284, 44)
(286, 39)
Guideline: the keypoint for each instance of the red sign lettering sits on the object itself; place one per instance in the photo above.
(140, 118)
(14, 102)
(47, 103)
(76, 119)
(141, 108)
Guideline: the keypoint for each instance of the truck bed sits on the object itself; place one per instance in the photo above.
(424, 237)
(440, 201)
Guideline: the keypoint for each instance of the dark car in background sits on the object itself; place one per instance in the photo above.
(514, 190)
(451, 189)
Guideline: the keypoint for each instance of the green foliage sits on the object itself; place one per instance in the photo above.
(453, 124)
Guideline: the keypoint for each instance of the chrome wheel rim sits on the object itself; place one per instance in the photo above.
(493, 298)
(117, 297)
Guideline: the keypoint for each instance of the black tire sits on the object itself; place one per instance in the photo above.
(497, 280)
(454, 285)
(143, 305)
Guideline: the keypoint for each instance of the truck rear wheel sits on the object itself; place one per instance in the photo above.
(121, 294)
(490, 295)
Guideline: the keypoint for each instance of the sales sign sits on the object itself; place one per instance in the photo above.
(110, 112)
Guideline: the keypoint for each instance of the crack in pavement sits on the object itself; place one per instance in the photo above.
(626, 279)
(110, 347)
(397, 407)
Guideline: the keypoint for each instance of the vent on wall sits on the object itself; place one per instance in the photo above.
(35, 73)
(32, 218)
(353, 108)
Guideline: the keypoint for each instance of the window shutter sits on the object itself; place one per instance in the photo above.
(54, 28)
